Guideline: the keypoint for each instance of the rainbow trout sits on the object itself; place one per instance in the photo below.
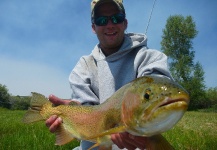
(147, 106)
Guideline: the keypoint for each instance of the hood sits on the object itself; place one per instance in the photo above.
(131, 41)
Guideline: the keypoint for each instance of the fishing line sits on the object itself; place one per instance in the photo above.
(150, 17)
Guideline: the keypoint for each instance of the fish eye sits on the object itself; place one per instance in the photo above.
(147, 94)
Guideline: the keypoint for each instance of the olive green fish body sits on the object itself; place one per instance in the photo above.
(81, 122)
(146, 106)
(87, 121)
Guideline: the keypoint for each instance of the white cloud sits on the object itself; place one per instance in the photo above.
(23, 77)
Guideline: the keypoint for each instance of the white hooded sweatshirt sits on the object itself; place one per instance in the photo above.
(96, 77)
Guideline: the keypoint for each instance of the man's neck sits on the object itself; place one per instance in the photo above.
(109, 51)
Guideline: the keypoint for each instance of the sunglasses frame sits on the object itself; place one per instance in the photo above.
(115, 19)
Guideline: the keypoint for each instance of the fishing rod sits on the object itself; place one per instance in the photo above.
(150, 17)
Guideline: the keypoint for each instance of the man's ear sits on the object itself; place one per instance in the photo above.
(93, 28)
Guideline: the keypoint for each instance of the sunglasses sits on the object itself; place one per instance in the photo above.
(103, 20)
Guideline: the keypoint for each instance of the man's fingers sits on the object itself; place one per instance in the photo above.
(131, 142)
(55, 100)
(117, 140)
(53, 123)
(51, 120)
(58, 101)
(139, 141)
(120, 139)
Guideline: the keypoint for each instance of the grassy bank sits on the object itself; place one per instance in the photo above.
(16, 135)
(196, 131)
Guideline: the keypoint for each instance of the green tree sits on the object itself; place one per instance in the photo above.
(177, 45)
(197, 88)
(4, 97)
(20, 102)
(211, 95)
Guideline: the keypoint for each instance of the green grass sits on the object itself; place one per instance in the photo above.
(195, 131)
(16, 135)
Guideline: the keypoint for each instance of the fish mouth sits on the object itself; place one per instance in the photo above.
(180, 100)
(172, 101)
(164, 115)
(167, 103)
(175, 103)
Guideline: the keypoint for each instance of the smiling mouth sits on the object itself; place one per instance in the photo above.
(111, 33)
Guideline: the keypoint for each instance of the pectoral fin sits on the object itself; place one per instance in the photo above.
(100, 147)
(103, 139)
(109, 132)
(103, 143)
(63, 136)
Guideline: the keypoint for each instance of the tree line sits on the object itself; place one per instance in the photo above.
(13, 102)
(177, 44)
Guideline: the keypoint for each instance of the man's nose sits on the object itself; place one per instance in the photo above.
(110, 23)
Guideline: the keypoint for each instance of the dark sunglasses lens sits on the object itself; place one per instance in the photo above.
(101, 21)
(118, 18)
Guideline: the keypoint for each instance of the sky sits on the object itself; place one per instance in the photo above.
(41, 41)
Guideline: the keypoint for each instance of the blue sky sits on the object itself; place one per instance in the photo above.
(41, 41)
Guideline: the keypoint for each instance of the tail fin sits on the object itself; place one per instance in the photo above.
(36, 104)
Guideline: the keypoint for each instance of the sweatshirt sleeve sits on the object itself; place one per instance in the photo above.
(80, 82)
(151, 61)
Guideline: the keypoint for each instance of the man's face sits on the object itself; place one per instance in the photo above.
(111, 35)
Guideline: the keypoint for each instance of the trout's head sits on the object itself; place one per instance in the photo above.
(153, 105)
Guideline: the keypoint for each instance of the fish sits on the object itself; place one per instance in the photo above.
(146, 106)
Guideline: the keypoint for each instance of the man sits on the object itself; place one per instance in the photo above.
(116, 60)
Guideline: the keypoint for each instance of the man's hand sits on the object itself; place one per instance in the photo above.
(54, 121)
(128, 141)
